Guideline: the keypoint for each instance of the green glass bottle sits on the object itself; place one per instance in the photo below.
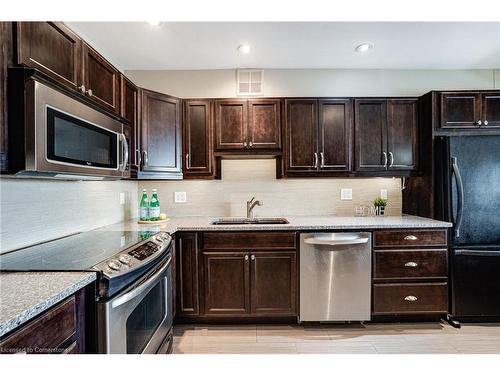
(154, 206)
(144, 206)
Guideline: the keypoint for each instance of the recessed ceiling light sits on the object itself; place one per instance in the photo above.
(244, 48)
(154, 23)
(365, 47)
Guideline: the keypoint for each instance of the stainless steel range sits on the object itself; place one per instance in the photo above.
(134, 283)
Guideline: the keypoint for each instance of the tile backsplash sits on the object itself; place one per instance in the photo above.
(39, 210)
(33, 210)
(243, 179)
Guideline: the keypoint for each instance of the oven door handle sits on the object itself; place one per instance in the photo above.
(142, 287)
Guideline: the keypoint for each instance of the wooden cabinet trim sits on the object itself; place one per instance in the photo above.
(274, 126)
(187, 307)
(392, 134)
(243, 121)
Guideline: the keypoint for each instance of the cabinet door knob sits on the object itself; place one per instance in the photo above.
(411, 237)
(250, 144)
(479, 122)
(411, 264)
(187, 160)
(485, 122)
(246, 257)
(88, 92)
(315, 160)
(252, 257)
(245, 144)
(82, 89)
(411, 298)
(145, 158)
(322, 154)
(385, 159)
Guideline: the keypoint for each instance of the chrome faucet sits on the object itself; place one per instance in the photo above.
(250, 206)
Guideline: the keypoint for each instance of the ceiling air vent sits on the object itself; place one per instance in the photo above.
(250, 82)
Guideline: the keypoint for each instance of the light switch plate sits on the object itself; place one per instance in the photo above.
(180, 197)
(383, 193)
(346, 194)
(122, 198)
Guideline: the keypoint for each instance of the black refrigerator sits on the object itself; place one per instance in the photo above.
(467, 176)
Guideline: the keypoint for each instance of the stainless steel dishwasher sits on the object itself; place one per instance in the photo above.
(335, 277)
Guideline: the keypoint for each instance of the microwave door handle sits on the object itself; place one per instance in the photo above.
(460, 195)
(141, 288)
(125, 152)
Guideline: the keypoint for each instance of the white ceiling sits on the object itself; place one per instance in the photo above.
(213, 45)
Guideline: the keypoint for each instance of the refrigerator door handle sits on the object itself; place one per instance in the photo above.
(460, 195)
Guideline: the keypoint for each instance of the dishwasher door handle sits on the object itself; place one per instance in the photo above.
(315, 241)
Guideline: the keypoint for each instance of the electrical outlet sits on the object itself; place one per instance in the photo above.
(383, 193)
(346, 194)
(122, 198)
(180, 197)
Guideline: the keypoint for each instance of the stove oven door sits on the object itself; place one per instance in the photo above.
(139, 319)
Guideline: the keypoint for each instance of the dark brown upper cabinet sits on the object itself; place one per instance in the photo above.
(52, 48)
(490, 106)
(6, 55)
(230, 124)
(334, 138)
(128, 110)
(264, 124)
(318, 136)
(385, 134)
(197, 139)
(101, 80)
(469, 110)
(402, 134)
(242, 125)
(160, 136)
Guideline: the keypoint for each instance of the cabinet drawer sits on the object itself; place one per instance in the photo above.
(409, 264)
(248, 240)
(47, 332)
(410, 298)
(409, 238)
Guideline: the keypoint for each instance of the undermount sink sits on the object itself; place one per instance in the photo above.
(243, 221)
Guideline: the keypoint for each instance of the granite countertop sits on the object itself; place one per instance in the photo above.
(24, 295)
(298, 223)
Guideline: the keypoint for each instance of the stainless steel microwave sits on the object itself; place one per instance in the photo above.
(66, 138)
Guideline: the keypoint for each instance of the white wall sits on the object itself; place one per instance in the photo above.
(316, 82)
(39, 210)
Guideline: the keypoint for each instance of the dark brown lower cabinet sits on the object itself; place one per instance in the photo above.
(411, 298)
(410, 272)
(59, 330)
(227, 283)
(236, 275)
(273, 280)
(186, 254)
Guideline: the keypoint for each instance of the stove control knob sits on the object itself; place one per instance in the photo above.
(166, 236)
(114, 265)
(124, 258)
(159, 238)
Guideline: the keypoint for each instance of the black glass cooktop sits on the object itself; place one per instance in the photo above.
(78, 252)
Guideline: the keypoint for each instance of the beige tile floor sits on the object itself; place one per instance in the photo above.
(425, 338)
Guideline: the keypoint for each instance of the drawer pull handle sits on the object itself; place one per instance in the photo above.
(411, 298)
(411, 264)
(411, 237)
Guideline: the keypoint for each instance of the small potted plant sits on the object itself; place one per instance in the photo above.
(380, 204)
